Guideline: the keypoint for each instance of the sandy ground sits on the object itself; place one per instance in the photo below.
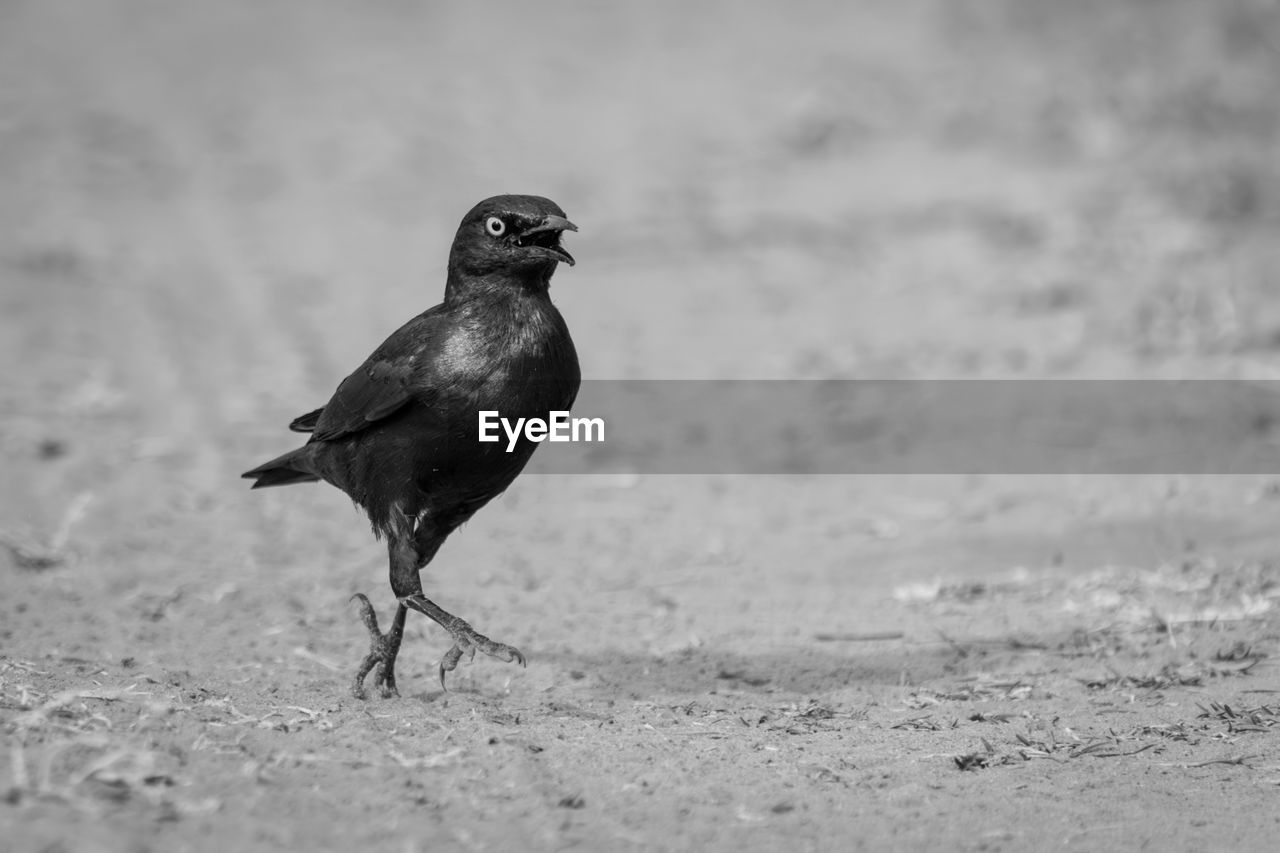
(211, 212)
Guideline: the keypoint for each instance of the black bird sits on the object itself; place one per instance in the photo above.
(401, 434)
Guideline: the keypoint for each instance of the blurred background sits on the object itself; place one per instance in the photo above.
(212, 212)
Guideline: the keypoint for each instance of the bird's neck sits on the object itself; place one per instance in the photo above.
(462, 287)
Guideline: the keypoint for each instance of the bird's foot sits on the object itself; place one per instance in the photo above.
(466, 640)
(383, 648)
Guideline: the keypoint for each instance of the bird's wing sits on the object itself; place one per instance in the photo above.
(307, 422)
(378, 388)
(375, 390)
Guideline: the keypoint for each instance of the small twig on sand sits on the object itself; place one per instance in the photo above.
(960, 650)
(858, 638)
(21, 781)
(30, 554)
(39, 715)
(1094, 754)
(1235, 759)
(75, 511)
(307, 654)
(413, 763)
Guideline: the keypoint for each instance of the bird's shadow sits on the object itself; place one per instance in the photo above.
(801, 671)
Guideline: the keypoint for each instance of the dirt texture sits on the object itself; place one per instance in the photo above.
(212, 212)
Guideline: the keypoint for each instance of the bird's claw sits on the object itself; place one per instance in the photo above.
(387, 687)
(467, 641)
(381, 657)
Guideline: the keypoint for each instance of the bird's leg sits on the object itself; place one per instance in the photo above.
(466, 640)
(411, 543)
(411, 546)
(383, 649)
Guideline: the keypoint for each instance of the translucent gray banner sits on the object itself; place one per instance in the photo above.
(919, 427)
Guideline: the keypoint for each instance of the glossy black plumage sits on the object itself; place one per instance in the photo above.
(400, 434)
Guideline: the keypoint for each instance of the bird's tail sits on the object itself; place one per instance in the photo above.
(284, 470)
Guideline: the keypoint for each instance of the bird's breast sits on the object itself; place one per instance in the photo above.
(517, 361)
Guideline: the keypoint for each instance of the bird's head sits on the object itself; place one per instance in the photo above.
(511, 236)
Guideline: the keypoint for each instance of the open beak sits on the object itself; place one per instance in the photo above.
(545, 238)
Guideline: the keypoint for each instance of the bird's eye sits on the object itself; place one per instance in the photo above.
(495, 226)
